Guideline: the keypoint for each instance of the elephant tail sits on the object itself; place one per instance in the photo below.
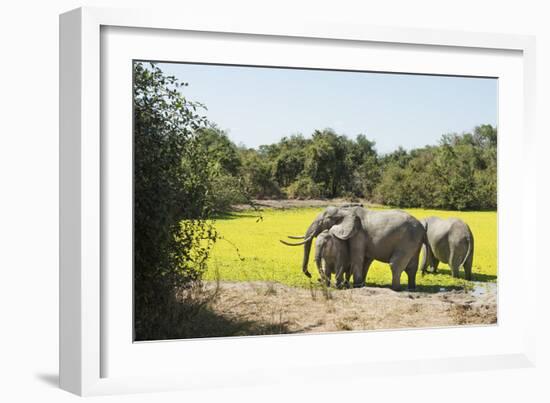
(470, 249)
(426, 246)
(425, 237)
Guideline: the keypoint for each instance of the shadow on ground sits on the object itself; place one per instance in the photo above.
(208, 323)
(435, 288)
(475, 276)
(432, 288)
(49, 379)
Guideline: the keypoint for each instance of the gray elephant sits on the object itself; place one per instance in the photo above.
(390, 236)
(332, 256)
(448, 241)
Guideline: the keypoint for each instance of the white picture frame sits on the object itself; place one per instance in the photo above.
(88, 336)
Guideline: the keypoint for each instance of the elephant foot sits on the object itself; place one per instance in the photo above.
(343, 285)
(323, 281)
(359, 285)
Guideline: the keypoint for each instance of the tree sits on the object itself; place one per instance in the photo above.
(256, 174)
(326, 162)
(365, 165)
(220, 149)
(458, 174)
(288, 159)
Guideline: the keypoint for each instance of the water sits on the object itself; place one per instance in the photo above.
(478, 289)
(483, 288)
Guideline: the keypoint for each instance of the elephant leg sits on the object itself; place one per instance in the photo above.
(362, 278)
(328, 274)
(435, 264)
(454, 264)
(468, 267)
(411, 269)
(320, 268)
(366, 267)
(357, 255)
(340, 272)
(347, 277)
(324, 272)
(398, 263)
(357, 271)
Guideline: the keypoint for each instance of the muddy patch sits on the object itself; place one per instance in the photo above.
(275, 308)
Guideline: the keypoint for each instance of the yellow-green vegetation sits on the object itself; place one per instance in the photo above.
(250, 249)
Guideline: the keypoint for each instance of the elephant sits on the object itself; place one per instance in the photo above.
(448, 241)
(389, 236)
(332, 256)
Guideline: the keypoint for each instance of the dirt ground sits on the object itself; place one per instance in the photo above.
(273, 308)
(295, 203)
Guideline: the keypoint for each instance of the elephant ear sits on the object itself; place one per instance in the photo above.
(361, 213)
(346, 229)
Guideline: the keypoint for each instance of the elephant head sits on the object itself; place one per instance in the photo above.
(340, 221)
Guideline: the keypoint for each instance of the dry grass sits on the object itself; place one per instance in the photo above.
(259, 308)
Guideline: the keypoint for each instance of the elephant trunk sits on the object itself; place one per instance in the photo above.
(311, 232)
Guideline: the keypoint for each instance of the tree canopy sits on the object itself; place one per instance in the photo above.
(458, 173)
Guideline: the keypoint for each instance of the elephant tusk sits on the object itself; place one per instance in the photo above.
(295, 236)
(297, 243)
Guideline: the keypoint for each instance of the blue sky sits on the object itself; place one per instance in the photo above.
(260, 105)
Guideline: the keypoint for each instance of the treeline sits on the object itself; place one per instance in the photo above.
(459, 173)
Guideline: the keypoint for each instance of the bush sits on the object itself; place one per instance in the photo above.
(172, 233)
(304, 188)
(227, 191)
(256, 174)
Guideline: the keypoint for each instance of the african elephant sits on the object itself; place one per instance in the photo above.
(448, 241)
(390, 236)
(332, 256)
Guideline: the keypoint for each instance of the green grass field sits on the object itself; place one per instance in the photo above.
(250, 249)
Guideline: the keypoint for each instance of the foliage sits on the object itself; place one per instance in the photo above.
(288, 158)
(172, 180)
(262, 257)
(304, 188)
(459, 173)
(257, 177)
(222, 153)
(326, 162)
(225, 166)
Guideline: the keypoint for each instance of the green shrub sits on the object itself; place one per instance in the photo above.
(304, 188)
(227, 191)
(172, 234)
